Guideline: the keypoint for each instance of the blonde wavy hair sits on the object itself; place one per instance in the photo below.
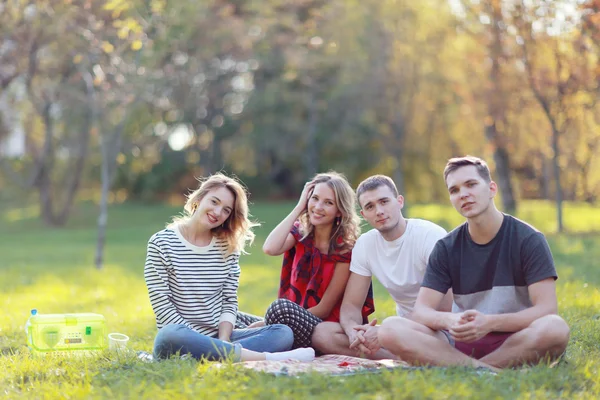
(344, 234)
(237, 228)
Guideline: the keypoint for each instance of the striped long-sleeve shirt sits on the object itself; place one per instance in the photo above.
(191, 285)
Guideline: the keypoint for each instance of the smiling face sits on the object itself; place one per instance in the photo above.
(470, 194)
(381, 208)
(322, 208)
(215, 207)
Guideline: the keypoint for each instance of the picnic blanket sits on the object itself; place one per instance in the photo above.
(331, 364)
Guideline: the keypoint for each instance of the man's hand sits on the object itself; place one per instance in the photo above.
(371, 341)
(472, 326)
(450, 320)
(363, 339)
(356, 339)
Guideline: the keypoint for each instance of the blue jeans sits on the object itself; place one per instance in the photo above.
(179, 338)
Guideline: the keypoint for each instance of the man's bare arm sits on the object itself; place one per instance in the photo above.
(543, 300)
(426, 312)
(354, 298)
(446, 304)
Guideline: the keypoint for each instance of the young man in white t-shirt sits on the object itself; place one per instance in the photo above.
(395, 252)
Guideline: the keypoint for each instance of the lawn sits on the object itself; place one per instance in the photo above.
(52, 270)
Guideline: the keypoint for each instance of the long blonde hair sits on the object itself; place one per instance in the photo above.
(343, 235)
(237, 228)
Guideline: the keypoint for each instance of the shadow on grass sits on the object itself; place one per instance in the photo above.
(8, 351)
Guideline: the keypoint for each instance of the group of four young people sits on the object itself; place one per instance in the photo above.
(481, 295)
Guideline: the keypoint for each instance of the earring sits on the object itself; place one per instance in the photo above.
(194, 207)
(337, 220)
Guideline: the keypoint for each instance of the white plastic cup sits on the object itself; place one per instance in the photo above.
(117, 341)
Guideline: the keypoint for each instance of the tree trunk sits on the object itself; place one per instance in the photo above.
(45, 163)
(545, 179)
(547, 107)
(556, 166)
(496, 111)
(45, 196)
(76, 173)
(555, 158)
(502, 161)
(82, 151)
(103, 214)
(399, 131)
(110, 147)
(110, 150)
(43, 168)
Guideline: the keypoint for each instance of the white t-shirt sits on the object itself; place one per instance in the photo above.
(400, 264)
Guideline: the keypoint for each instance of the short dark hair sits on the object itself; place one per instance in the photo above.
(372, 183)
(458, 162)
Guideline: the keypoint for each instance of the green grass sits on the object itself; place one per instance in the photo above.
(52, 270)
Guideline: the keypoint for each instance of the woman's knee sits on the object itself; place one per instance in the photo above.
(278, 312)
(281, 303)
(170, 333)
(281, 337)
(168, 340)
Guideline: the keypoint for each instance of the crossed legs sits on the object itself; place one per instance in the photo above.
(545, 338)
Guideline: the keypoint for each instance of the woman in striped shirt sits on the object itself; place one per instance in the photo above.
(192, 274)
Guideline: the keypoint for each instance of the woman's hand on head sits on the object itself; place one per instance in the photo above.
(309, 187)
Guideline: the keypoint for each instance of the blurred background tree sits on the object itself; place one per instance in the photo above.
(131, 99)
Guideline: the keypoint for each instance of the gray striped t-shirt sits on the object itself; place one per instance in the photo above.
(492, 278)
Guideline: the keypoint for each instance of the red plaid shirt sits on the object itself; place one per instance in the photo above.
(306, 274)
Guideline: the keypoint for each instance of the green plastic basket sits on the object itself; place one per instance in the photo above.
(66, 332)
